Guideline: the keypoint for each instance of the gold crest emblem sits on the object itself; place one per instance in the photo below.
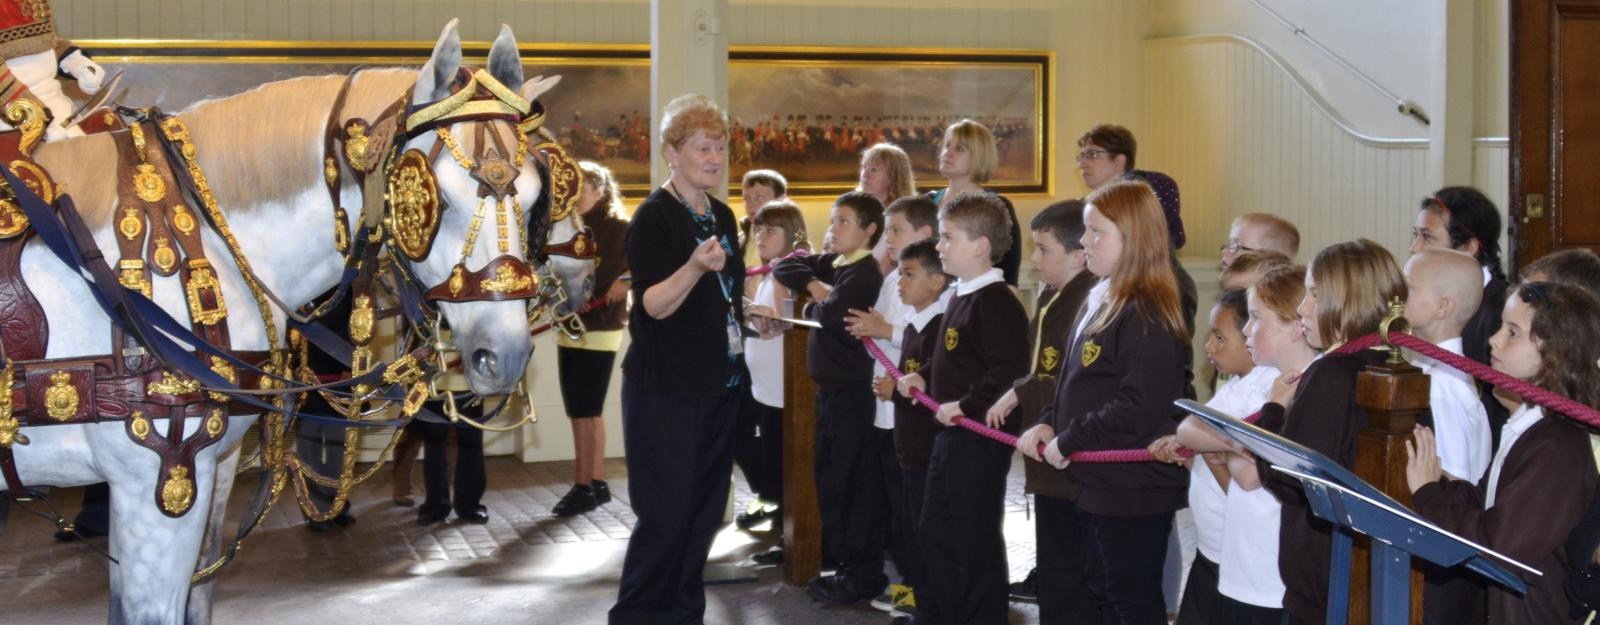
(1049, 357)
(172, 385)
(166, 258)
(139, 425)
(61, 399)
(458, 280)
(330, 170)
(132, 224)
(506, 280)
(178, 493)
(1091, 352)
(414, 205)
(355, 145)
(183, 220)
(215, 424)
(912, 366)
(361, 319)
(148, 185)
(951, 338)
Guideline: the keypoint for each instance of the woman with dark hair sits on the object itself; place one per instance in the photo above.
(1465, 220)
(681, 377)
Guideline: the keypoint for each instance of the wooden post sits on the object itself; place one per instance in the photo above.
(802, 523)
(1393, 394)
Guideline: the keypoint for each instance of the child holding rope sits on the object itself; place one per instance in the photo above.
(1543, 472)
(1348, 289)
(985, 348)
(758, 437)
(1124, 368)
(922, 285)
(1247, 573)
(849, 480)
(910, 219)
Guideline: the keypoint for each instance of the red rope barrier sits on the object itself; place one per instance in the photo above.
(1101, 455)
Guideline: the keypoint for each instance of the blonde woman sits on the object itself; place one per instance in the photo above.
(967, 160)
(584, 365)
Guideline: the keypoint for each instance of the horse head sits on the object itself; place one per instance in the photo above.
(464, 191)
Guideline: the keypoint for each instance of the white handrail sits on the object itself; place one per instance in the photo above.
(1402, 105)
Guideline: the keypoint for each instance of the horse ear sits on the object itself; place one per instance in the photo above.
(505, 63)
(433, 82)
(536, 87)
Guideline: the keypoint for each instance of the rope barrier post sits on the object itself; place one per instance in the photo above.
(802, 519)
(1393, 394)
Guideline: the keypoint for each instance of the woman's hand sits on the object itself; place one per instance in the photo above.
(708, 257)
(1030, 440)
(1001, 409)
(913, 381)
(1283, 388)
(1422, 460)
(867, 323)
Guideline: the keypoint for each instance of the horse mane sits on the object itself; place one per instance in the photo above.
(255, 148)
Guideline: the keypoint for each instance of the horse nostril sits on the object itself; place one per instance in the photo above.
(486, 364)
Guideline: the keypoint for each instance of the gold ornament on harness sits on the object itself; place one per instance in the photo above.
(506, 280)
(132, 224)
(29, 117)
(341, 230)
(361, 319)
(173, 385)
(178, 494)
(12, 220)
(458, 280)
(202, 280)
(61, 399)
(355, 145)
(222, 368)
(147, 184)
(330, 170)
(414, 202)
(183, 220)
(166, 258)
(139, 425)
(414, 399)
(215, 424)
(132, 275)
(8, 422)
(404, 370)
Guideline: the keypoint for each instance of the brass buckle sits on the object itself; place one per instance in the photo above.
(402, 371)
(203, 281)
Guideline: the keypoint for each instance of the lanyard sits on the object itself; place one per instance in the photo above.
(707, 224)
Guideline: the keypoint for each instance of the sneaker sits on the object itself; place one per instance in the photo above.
(1027, 589)
(602, 492)
(748, 519)
(893, 597)
(577, 501)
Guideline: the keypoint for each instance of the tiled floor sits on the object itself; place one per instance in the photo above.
(524, 566)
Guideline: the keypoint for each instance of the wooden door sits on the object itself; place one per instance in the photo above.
(1555, 127)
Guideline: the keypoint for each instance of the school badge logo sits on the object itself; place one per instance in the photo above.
(912, 366)
(951, 337)
(1091, 352)
(1049, 357)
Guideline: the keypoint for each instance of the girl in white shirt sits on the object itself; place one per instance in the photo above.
(775, 230)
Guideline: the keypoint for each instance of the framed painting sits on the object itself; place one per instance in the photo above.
(808, 112)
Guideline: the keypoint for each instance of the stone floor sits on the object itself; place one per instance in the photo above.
(524, 566)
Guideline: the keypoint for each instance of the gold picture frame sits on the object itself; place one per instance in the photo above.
(833, 101)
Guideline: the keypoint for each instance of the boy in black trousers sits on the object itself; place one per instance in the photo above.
(984, 348)
(849, 479)
(922, 287)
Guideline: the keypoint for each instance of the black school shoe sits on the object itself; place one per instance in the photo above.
(602, 492)
(836, 589)
(579, 500)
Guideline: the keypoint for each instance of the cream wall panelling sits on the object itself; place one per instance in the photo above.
(1241, 133)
